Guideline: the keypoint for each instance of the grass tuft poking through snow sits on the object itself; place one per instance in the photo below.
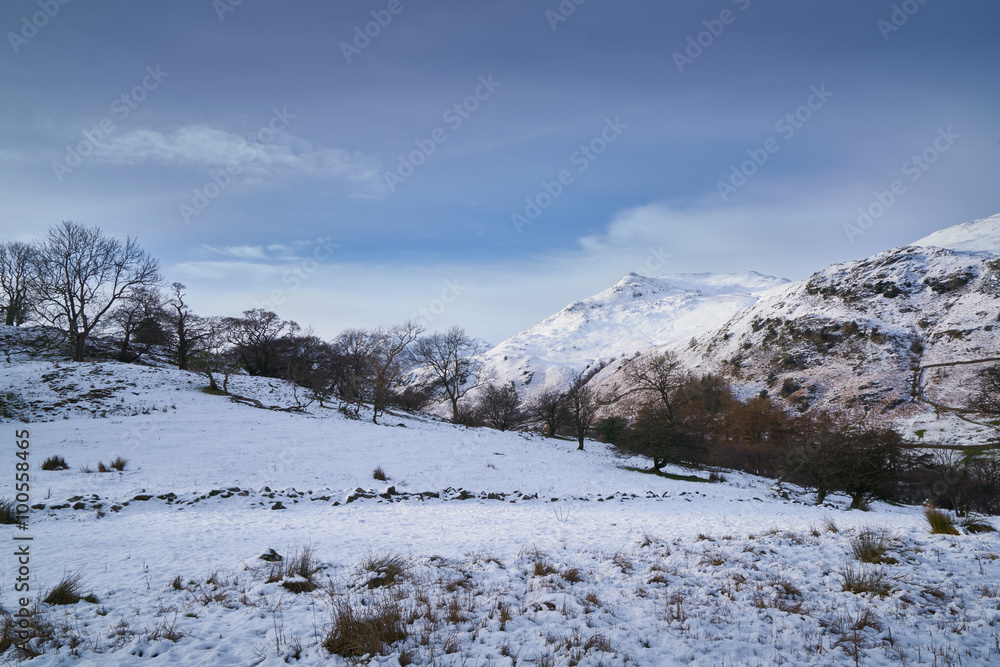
(69, 591)
(941, 522)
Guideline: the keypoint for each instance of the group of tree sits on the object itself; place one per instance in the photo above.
(85, 284)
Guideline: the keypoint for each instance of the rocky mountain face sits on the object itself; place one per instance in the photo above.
(891, 337)
(635, 314)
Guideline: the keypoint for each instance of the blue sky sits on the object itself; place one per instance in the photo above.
(485, 163)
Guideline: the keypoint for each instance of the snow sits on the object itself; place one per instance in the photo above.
(634, 314)
(668, 572)
(981, 236)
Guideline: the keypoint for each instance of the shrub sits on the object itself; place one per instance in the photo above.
(8, 512)
(118, 463)
(379, 474)
(102, 468)
(367, 630)
(940, 522)
(69, 591)
(55, 463)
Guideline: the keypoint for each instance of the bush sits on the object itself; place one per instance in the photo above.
(118, 463)
(367, 630)
(8, 512)
(69, 591)
(940, 522)
(379, 474)
(55, 463)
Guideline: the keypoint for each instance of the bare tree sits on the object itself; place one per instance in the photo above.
(215, 356)
(582, 404)
(260, 341)
(352, 368)
(549, 407)
(17, 275)
(83, 274)
(389, 346)
(451, 359)
(658, 374)
(187, 329)
(138, 321)
(499, 405)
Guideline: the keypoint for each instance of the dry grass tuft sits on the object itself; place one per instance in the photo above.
(69, 591)
(941, 523)
(364, 630)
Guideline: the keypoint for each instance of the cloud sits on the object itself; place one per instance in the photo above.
(203, 147)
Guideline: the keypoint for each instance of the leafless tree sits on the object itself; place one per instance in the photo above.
(582, 404)
(260, 341)
(83, 274)
(215, 357)
(187, 329)
(138, 323)
(351, 368)
(659, 375)
(389, 346)
(499, 405)
(17, 276)
(450, 357)
(549, 407)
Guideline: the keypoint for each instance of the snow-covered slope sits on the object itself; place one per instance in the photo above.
(634, 314)
(976, 236)
(876, 338)
(510, 545)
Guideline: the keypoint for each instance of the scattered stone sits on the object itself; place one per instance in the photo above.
(271, 556)
(278, 506)
(142, 496)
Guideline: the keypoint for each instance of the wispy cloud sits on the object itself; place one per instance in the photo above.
(203, 147)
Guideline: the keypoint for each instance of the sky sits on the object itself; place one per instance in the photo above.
(483, 164)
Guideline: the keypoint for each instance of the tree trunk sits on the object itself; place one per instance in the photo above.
(79, 346)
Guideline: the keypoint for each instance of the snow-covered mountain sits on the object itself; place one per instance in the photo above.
(981, 236)
(884, 337)
(633, 315)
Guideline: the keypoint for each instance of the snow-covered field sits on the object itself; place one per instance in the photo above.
(511, 549)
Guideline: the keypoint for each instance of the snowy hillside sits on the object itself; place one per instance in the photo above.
(883, 337)
(976, 236)
(634, 314)
(489, 548)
